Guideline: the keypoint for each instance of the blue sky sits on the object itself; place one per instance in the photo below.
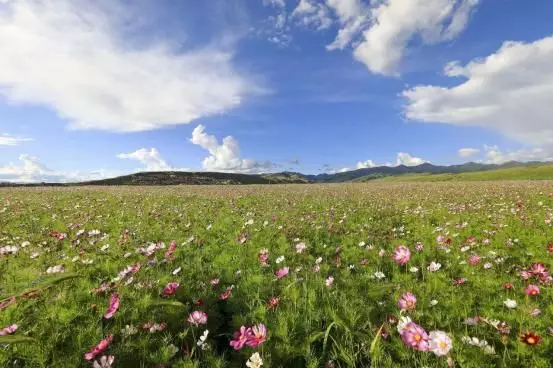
(89, 89)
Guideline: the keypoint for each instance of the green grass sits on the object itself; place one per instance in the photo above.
(539, 172)
(352, 228)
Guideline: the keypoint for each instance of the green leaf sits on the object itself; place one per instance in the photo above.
(15, 339)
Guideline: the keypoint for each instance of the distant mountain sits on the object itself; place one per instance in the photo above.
(360, 175)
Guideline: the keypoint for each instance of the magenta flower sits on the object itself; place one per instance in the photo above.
(282, 272)
(402, 255)
(240, 338)
(197, 318)
(407, 301)
(113, 306)
(474, 259)
(415, 337)
(532, 290)
(98, 349)
(170, 289)
(8, 330)
(259, 333)
(538, 268)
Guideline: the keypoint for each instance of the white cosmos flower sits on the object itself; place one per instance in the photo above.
(414, 269)
(379, 275)
(280, 259)
(434, 266)
(255, 361)
(511, 304)
(403, 321)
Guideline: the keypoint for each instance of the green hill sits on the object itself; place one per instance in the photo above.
(534, 172)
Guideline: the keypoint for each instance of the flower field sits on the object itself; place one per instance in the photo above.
(348, 275)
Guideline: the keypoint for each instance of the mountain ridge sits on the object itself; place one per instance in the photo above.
(286, 177)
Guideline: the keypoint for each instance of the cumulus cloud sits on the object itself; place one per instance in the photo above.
(71, 56)
(225, 156)
(468, 152)
(408, 160)
(509, 92)
(31, 170)
(365, 164)
(10, 140)
(394, 23)
(150, 158)
(353, 16)
(494, 155)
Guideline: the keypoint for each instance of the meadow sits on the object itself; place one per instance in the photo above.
(338, 275)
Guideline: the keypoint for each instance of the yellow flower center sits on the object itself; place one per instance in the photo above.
(418, 337)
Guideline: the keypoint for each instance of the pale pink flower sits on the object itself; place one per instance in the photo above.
(415, 337)
(259, 333)
(170, 289)
(419, 247)
(197, 318)
(226, 294)
(329, 281)
(240, 338)
(113, 306)
(214, 282)
(300, 247)
(407, 301)
(440, 343)
(474, 259)
(402, 255)
(172, 248)
(8, 330)
(98, 349)
(280, 273)
(525, 275)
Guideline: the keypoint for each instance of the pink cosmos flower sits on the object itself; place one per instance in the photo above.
(226, 294)
(525, 275)
(415, 337)
(98, 349)
(273, 302)
(197, 318)
(113, 306)
(532, 290)
(101, 289)
(8, 330)
(259, 333)
(282, 272)
(329, 281)
(172, 247)
(474, 259)
(402, 255)
(104, 362)
(154, 327)
(407, 301)
(214, 282)
(240, 338)
(538, 268)
(170, 289)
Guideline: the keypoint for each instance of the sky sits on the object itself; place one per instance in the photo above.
(96, 89)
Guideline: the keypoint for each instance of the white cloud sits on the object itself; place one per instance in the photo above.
(150, 158)
(71, 56)
(32, 170)
(312, 14)
(276, 3)
(509, 92)
(10, 140)
(394, 23)
(353, 17)
(468, 152)
(365, 164)
(494, 155)
(408, 160)
(225, 156)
